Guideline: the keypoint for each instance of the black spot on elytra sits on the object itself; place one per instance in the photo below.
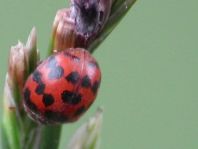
(51, 62)
(86, 82)
(56, 72)
(27, 100)
(95, 87)
(48, 99)
(73, 77)
(27, 94)
(40, 88)
(66, 53)
(37, 76)
(70, 97)
(80, 111)
(55, 116)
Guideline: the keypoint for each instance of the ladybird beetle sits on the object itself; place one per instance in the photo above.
(62, 87)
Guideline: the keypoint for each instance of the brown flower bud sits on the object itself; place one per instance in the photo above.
(21, 61)
(63, 30)
(17, 65)
(79, 25)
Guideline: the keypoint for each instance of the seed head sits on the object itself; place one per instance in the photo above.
(80, 24)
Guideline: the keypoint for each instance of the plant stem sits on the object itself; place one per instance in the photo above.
(50, 137)
(11, 129)
(4, 139)
(10, 123)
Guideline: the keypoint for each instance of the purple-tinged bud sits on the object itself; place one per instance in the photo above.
(21, 61)
(80, 24)
(9, 101)
(90, 17)
(93, 13)
(17, 65)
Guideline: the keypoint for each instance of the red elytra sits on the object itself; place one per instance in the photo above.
(62, 87)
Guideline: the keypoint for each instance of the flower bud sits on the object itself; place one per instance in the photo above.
(9, 94)
(87, 136)
(17, 65)
(21, 61)
(91, 15)
(79, 25)
(63, 30)
(31, 51)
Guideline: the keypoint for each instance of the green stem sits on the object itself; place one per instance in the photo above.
(11, 129)
(29, 134)
(50, 137)
(10, 123)
(4, 138)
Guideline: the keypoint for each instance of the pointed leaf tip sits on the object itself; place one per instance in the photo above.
(32, 39)
(87, 136)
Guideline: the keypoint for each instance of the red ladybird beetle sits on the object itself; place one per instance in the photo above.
(62, 87)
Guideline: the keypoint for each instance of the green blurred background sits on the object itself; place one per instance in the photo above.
(150, 70)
